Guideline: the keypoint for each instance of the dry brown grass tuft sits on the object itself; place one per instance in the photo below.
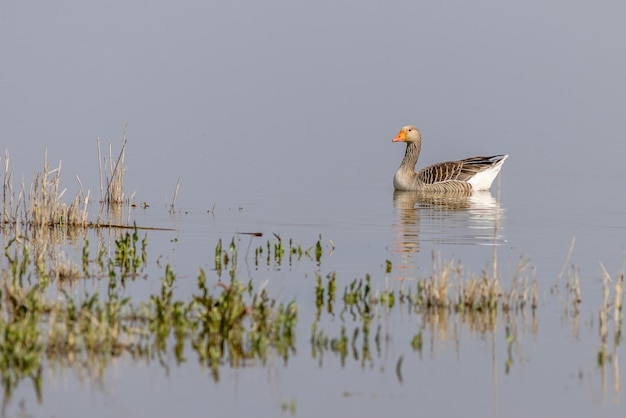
(112, 177)
(46, 207)
(448, 288)
(42, 205)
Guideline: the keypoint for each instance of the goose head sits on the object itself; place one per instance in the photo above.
(408, 134)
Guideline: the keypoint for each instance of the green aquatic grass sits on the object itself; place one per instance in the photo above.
(222, 322)
(273, 252)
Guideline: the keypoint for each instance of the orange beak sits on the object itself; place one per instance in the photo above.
(401, 137)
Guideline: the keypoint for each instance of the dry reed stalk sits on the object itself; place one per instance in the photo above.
(535, 295)
(175, 194)
(521, 293)
(577, 292)
(573, 287)
(436, 289)
(43, 194)
(114, 179)
(491, 291)
(21, 199)
(7, 191)
(617, 326)
(83, 215)
(115, 188)
(617, 304)
(604, 309)
(569, 254)
(470, 293)
(100, 170)
(76, 213)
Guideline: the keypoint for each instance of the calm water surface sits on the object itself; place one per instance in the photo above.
(277, 118)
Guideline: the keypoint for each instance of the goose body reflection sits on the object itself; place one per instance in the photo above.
(462, 218)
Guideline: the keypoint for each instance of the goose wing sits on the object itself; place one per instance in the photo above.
(461, 170)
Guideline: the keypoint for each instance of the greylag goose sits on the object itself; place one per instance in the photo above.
(463, 176)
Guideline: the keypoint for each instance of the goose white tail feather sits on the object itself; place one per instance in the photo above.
(484, 179)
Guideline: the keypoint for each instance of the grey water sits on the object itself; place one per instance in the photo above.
(277, 117)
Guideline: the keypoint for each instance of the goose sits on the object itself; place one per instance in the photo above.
(462, 176)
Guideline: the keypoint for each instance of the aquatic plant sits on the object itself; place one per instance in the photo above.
(112, 176)
(606, 315)
(128, 256)
(220, 327)
(41, 204)
(438, 301)
(275, 251)
(234, 325)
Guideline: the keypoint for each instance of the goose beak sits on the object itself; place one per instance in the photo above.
(401, 137)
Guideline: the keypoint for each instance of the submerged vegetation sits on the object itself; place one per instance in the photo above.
(225, 320)
(477, 301)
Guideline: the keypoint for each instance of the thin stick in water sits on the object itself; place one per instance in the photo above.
(175, 193)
